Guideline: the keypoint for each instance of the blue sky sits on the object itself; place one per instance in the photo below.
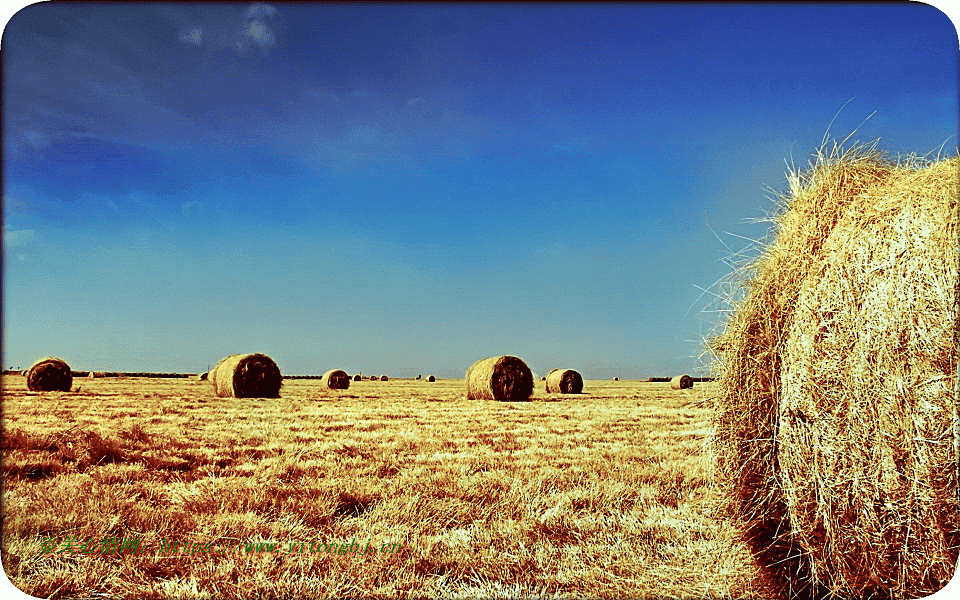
(405, 189)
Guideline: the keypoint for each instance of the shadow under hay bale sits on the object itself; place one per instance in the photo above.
(336, 379)
(246, 376)
(564, 381)
(681, 382)
(501, 378)
(837, 382)
(49, 375)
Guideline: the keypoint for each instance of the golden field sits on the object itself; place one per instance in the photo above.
(608, 493)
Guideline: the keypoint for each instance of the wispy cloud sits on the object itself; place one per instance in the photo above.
(19, 238)
(258, 28)
(193, 37)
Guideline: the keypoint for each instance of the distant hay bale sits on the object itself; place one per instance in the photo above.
(544, 378)
(431, 378)
(564, 381)
(681, 382)
(384, 378)
(616, 379)
(358, 377)
(90, 375)
(202, 377)
(246, 376)
(49, 375)
(502, 378)
(374, 378)
(418, 378)
(837, 381)
(336, 379)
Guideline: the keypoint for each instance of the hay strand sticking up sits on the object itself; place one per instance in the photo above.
(681, 382)
(49, 375)
(246, 376)
(501, 378)
(837, 381)
(564, 381)
(336, 379)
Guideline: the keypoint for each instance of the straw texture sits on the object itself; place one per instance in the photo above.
(837, 381)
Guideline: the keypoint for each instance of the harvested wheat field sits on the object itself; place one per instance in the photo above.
(837, 427)
(605, 494)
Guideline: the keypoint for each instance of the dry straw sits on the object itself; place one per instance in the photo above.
(681, 382)
(564, 381)
(336, 379)
(837, 381)
(502, 378)
(246, 376)
(49, 375)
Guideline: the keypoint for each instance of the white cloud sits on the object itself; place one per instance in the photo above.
(19, 239)
(191, 208)
(260, 34)
(193, 36)
(260, 11)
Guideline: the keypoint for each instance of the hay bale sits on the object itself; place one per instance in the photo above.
(681, 382)
(90, 375)
(502, 378)
(49, 375)
(837, 382)
(246, 376)
(202, 377)
(358, 377)
(431, 378)
(418, 378)
(335, 379)
(564, 381)
(384, 378)
(616, 379)
(544, 378)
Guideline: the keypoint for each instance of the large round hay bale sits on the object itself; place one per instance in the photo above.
(384, 378)
(502, 378)
(431, 378)
(49, 375)
(837, 382)
(681, 382)
(246, 376)
(374, 378)
(564, 381)
(358, 377)
(335, 379)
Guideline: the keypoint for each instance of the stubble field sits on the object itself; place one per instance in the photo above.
(608, 493)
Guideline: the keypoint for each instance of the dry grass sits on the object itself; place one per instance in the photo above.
(838, 381)
(49, 375)
(681, 382)
(564, 381)
(501, 378)
(609, 495)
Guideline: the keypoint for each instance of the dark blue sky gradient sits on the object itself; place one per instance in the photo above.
(404, 189)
